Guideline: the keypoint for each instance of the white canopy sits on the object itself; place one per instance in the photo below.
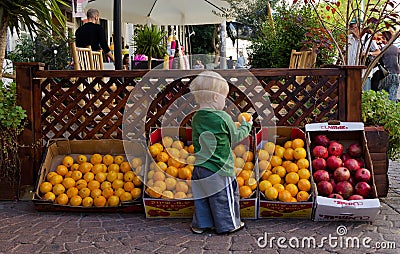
(164, 12)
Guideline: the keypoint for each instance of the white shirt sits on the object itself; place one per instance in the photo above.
(353, 45)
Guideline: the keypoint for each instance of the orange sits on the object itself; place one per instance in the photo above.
(113, 201)
(84, 192)
(184, 173)
(117, 183)
(161, 184)
(162, 165)
(292, 188)
(99, 201)
(304, 173)
(136, 192)
(288, 154)
(245, 191)
(96, 159)
(62, 199)
(237, 124)
(68, 161)
(285, 196)
(49, 196)
(126, 196)
(159, 176)
(292, 167)
(191, 159)
(56, 179)
(108, 192)
(191, 149)
(279, 187)
(118, 192)
(75, 166)
(303, 163)
(302, 196)
(85, 167)
(180, 195)
(80, 184)
(113, 167)
(153, 192)
(93, 184)
(288, 144)
(183, 154)
(97, 168)
(111, 176)
(108, 159)
(120, 176)
(118, 159)
(276, 161)
(252, 183)
(166, 194)
(154, 150)
(239, 162)
(245, 174)
(75, 201)
(182, 186)
(170, 183)
(76, 175)
(61, 170)
(279, 151)
(292, 177)
(100, 177)
(264, 165)
(159, 145)
(274, 179)
(89, 176)
(174, 162)
(81, 159)
(266, 174)
(87, 202)
(279, 170)
(128, 186)
(163, 156)
(68, 175)
(105, 185)
(167, 141)
(299, 153)
(248, 156)
(293, 199)
(264, 184)
(58, 189)
(136, 162)
(125, 167)
(297, 143)
(304, 185)
(271, 193)
(240, 181)
(137, 181)
(68, 182)
(177, 144)
(73, 191)
(50, 175)
(45, 187)
(248, 165)
(269, 147)
(239, 150)
(95, 193)
(244, 115)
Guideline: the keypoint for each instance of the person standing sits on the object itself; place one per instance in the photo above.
(230, 63)
(214, 186)
(92, 34)
(391, 82)
(241, 61)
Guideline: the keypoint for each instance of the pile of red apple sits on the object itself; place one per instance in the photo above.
(339, 173)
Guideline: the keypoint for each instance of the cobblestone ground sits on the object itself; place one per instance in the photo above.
(24, 230)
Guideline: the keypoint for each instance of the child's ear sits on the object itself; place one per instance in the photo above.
(215, 97)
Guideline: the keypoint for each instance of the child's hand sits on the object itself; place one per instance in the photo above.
(250, 121)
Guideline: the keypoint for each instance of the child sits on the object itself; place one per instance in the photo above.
(214, 185)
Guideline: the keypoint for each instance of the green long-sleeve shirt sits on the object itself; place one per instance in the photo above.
(213, 132)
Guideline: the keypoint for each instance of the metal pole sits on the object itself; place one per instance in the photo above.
(117, 35)
(223, 45)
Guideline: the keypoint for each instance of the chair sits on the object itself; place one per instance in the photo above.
(86, 59)
(301, 60)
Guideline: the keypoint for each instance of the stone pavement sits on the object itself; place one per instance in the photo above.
(24, 230)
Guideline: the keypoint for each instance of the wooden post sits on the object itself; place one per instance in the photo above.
(29, 98)
(353, 93)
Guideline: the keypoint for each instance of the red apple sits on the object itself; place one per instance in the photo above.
(356, 197)
(335, 148)
(333, 162)
(362, 175)
(352, 165)
(355, 150)
(345, 189)
(363, 189)
(319, 164)
(335, 195)
(324, 188)
(321, 175)
(320, 152)
(321, 140)
(341, 174)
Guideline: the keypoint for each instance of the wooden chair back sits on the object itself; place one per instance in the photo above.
(301, 60)
(86, 59)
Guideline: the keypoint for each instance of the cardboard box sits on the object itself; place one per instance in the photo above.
(277, 209)
(329, 209)
(184, 208)
(57, 149)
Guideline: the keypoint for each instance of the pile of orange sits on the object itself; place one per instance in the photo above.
(244, 167)
(170, 171)
(96, 181)
(284, 171)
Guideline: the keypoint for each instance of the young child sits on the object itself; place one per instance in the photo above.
(214, 186)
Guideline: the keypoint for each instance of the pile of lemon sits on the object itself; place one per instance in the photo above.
(170, 170)
(244, 168)
(284, 171)
(100, 181)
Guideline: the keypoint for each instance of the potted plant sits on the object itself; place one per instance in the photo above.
(12, 123)
(148, 41)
